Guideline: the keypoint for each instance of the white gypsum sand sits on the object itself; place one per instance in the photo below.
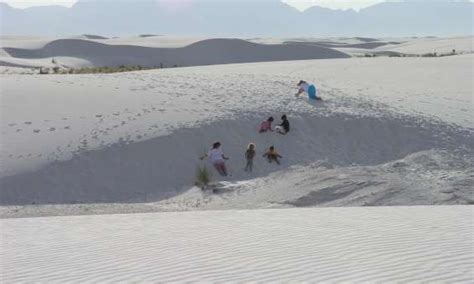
(424, 46)
(78, 52)
(390, 131)
(378, 244)
(136, 136)
(157, 51)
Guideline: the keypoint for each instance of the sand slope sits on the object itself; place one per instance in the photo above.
(206, 52)
(136, 137)
(397, 244)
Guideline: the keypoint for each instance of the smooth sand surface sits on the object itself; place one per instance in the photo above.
(384, 244)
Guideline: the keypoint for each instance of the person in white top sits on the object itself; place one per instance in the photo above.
(310, 89)
(217, 158)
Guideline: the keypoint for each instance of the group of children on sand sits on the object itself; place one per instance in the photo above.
(270, 154)
(282, 128)
(217, 157)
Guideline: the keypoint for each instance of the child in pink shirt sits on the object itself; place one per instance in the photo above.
(266, 125)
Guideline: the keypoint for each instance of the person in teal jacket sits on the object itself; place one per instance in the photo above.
(310, 89)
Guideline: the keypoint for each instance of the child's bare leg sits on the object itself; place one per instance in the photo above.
(221, 169)
(224, 169)
(218, 168)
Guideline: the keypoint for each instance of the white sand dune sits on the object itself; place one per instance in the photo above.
(169, 51)
(137, 138)
(157, 167)
(28, 42)
(155, 41)
(390, 131)
(413, 46)
(384, 244)
(463, 44)
(144, 41)
(206, 52)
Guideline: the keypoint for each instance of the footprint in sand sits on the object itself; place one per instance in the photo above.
(36, 130)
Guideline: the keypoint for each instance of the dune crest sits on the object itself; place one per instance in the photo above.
(206, 52)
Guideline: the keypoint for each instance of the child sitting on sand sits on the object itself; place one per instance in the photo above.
(266, 125)
(249, 155)
(284, 126)
(272, 155)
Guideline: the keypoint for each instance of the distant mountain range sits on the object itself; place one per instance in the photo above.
(239, 18)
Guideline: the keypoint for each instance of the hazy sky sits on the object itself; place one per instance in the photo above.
(334, 4)
(299, 4)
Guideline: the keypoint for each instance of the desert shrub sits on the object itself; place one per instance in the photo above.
(44, 70)
(203, 176)
(107, 69)
(430, 54)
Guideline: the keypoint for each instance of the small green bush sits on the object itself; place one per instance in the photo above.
(106, 69)
(429, 54)
(203, 177)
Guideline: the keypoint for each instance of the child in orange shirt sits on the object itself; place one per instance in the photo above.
(272, 155)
